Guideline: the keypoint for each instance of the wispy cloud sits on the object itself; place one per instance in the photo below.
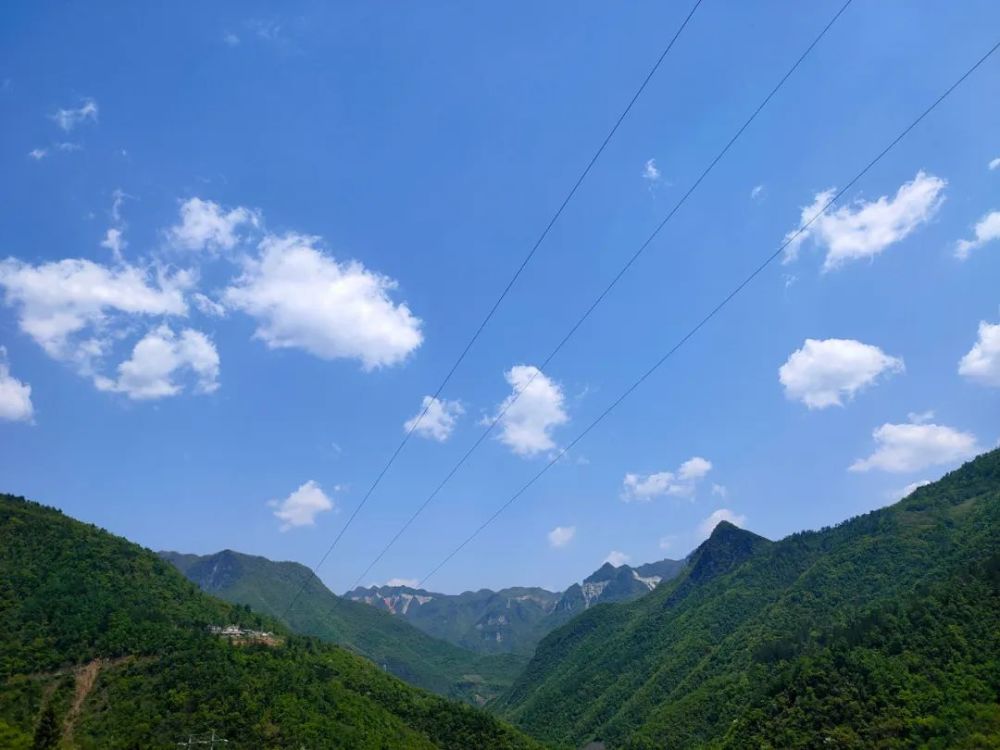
(69, 118)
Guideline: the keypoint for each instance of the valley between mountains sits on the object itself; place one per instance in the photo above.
(883, 631)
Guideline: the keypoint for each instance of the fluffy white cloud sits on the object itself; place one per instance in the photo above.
(437, 421)
(158, 357)
(616, 558)
(912, 447)
(982, 362)
(823, 372)
(706, 527)
(902, 492)
(302, 297)
(15, 396)
(67, 119)
(986, 230)
(863, 230)
(650, 172)
(38, 153)
(71, 307)
(681, 483)
(302, 506)
(994, 163)
(205, 225)
(560, 536)
(527, 420)
(410, 583)
(757, 193)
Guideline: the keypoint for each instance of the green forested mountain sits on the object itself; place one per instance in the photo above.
(268, 587)
(512, 620)
(883, 631)
(104, 645)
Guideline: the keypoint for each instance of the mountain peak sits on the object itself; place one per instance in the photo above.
(726, 547)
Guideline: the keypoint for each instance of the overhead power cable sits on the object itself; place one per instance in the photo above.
(503, 294)
(715, 310)
(614, 281)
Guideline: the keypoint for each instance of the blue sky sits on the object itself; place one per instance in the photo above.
(240, 245)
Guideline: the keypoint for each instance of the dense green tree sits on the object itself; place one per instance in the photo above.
(47, 733)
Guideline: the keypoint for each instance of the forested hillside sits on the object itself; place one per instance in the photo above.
(104, 645)
(268, 587)
(883, 631)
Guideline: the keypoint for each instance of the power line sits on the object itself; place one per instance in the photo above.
(715, 310)
(600, 297)
(503, 294)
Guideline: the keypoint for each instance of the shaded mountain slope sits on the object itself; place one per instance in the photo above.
(708, 659)
(268, 587)
(107, 646)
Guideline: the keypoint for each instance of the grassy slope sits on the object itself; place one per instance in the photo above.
(71, 594)
(702, 660)
(267, 587)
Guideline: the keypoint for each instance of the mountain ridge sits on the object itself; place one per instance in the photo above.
(512, 619)
(268, 587)
(749, 619)
(105, 645)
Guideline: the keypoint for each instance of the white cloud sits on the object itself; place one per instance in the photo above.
(208, 306)
(650, 172)
(158, 357)
(38, 153)
(304, 298)
(986, 230)
(824, 372)
(410, 583)
(994, 163)
(205, 225)
(902, 492)
(302, 506)
(437, 421)
(616, 558)
(706, 527)
(913, 447)
(114, 241)
(231, 39)
(757, 192)
(863, 230)
(694, 469)
(74, 308)
(720, 491)
(560, 536)
(15, 396)
(67, 119)
(919, 417)
(982, 362)
(681, 483)
(527, 420)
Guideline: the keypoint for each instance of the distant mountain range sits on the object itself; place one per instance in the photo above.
(512, 620)
(883, 631)
(268, 587)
